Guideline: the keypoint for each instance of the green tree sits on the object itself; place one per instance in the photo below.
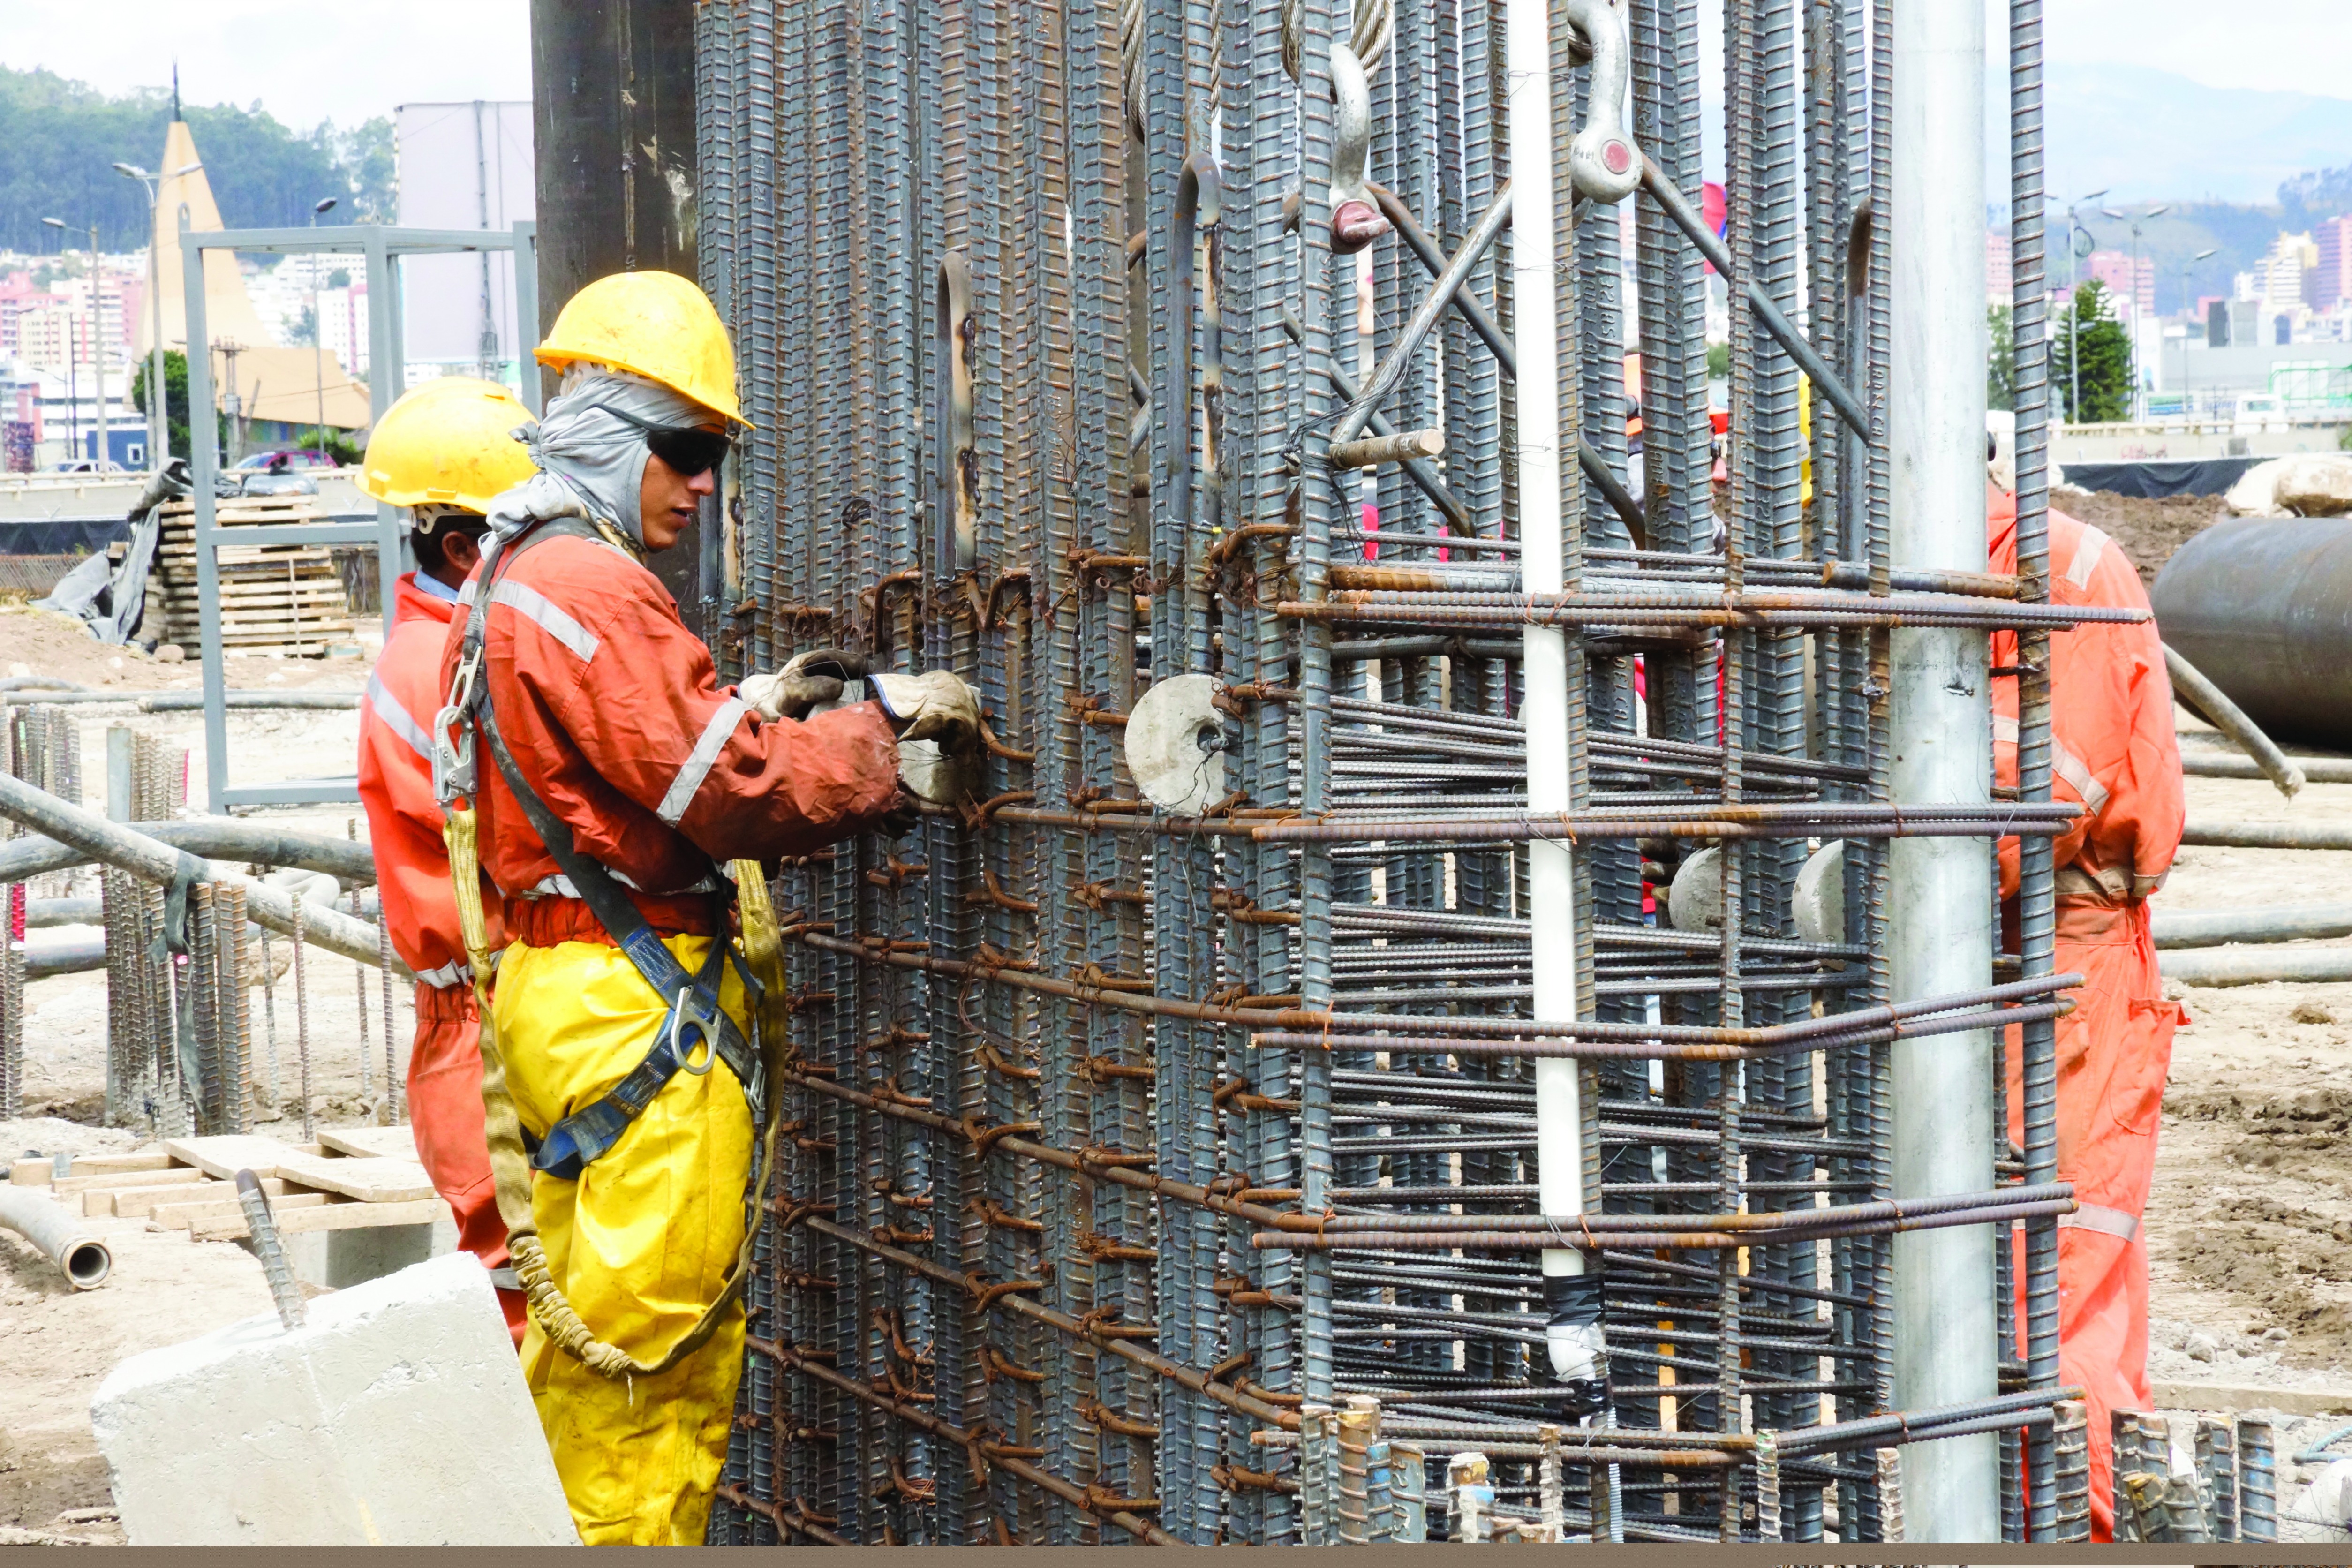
(2000, 360)
(2102, 379)
(176, 400)
(61, 137)
(175, 396)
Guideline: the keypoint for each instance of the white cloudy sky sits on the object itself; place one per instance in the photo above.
(357, 59)
(347, 61)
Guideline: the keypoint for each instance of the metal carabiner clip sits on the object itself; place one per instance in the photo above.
(682, 1013)
(453, 759)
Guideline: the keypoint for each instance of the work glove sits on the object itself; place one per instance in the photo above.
(935, 707)
(808, 680)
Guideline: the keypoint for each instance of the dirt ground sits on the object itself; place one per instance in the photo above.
(2149, 530)
(56, 1345)
(2250, 1226)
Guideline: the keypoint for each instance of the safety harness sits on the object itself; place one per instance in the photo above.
(693, 1014)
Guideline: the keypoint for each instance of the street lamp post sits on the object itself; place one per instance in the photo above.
(317, 332)
(159, 427)
(2074, 327)
(2189, 310)
(97, 355)
(73, 379)
(2152, 212)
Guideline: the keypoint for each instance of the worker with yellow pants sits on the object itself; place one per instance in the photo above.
(622, 804)
(640, 1244)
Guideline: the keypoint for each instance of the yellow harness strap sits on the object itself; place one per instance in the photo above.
(510, 1169)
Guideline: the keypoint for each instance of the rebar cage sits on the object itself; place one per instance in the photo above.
(1147, 1170)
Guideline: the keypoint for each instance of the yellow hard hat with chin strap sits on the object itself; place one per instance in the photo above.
(653, 324)
(448, 443)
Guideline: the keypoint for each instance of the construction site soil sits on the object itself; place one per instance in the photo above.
(2148, 529)
(2250, 1226)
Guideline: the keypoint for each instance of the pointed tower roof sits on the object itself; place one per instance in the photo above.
(228, 309)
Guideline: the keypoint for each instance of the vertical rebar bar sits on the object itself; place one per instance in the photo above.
(302, 1022)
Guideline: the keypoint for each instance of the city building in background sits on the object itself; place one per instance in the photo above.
(2127, 280)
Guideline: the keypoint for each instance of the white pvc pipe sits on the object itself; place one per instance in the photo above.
(1941, 901)
(1559, 1163)
(59, 1234)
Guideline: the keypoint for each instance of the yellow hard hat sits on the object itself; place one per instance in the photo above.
(449, 442)
(657, 325)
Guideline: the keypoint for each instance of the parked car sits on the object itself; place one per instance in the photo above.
(281, 459)
(272, 482)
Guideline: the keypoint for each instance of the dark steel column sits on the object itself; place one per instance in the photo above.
(612, 118)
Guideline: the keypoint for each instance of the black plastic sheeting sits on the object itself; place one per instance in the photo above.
(61, 535)
(2154, 481)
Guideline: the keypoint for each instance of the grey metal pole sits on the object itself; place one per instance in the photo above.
(98, 350)
(526, 282)
(158, 414)
(203, 464)
(1941, 923)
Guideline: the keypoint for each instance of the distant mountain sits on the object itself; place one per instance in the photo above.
(2151, 136)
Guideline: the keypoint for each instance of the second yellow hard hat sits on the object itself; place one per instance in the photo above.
(448, 442)
(655, 324)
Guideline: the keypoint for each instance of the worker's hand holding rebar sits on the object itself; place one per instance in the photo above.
(807, 680)
(774, 694)
(934, 706)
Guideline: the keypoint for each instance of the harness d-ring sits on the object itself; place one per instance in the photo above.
(681, 1015)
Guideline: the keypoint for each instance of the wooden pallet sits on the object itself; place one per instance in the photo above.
(271, 596)
(350, 1179)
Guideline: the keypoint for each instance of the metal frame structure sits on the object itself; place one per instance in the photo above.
(1130, 1152)
(383, 247)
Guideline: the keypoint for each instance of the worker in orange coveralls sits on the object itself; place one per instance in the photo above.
(622, 798)
(443, 451)
(2111, 706)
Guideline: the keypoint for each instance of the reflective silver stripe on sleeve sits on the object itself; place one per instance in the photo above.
(2086, 557)
(395, 718)
(697, 766)
(454, 973)
(2106, 1221)
(2074, 772)
(550, 617)
(2069, 766)
(464, 589)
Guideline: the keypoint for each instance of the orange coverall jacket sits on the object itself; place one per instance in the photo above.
(614, 714)
(2111, 706)
(444, 1062)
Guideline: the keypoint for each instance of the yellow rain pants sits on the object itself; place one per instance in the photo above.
(641, 1243)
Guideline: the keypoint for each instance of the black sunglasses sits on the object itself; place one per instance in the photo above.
(689, 448)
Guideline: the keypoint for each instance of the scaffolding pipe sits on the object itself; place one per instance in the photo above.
(152, 860)
(1942, 895)
(2189, 684)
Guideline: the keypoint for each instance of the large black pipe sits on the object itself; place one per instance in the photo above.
(612, 116)
(2263, 607)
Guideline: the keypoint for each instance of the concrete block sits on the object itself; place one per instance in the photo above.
(339, 1259)
(395, 1416)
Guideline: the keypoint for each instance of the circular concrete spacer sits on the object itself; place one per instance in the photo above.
(1819, 904)
(1695, 897)
(1176, 745)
